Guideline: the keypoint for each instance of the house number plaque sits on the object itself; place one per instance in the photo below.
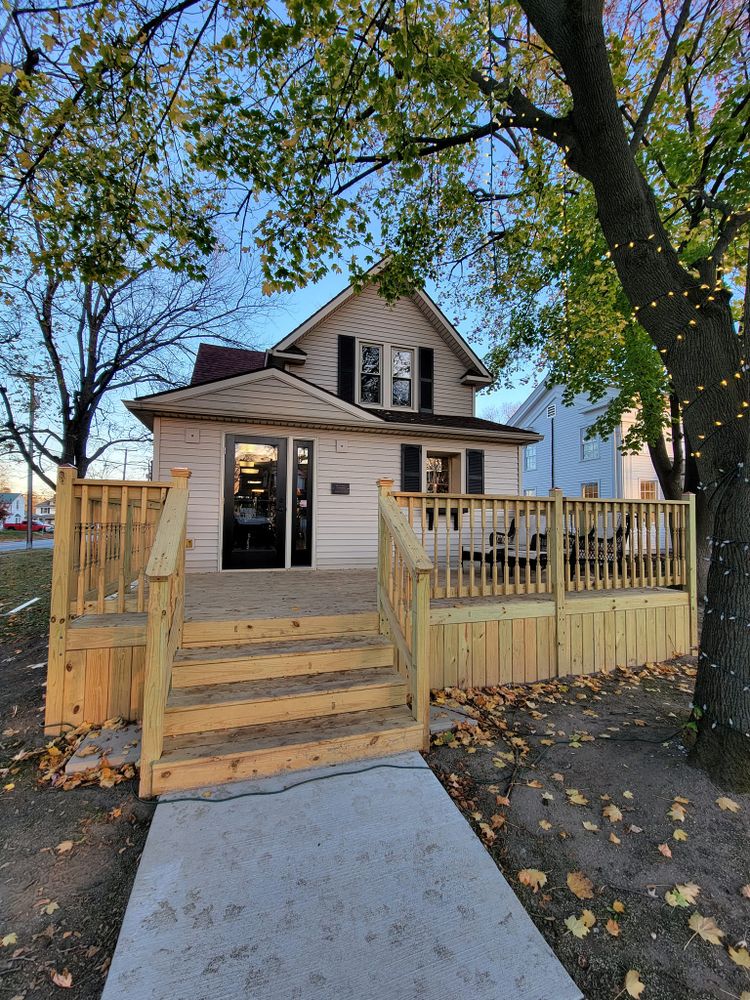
(340, 489)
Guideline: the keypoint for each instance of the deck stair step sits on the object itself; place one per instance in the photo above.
(206, 758)
(200, 665)
(279, 699)
(222, 632)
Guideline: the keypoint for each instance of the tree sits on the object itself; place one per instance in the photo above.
(347, 113)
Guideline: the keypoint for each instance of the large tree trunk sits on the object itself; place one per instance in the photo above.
(693, 328)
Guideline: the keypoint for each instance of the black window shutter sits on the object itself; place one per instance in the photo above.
(346, 368)
(426, 379)
(411, 468)
(474, 471)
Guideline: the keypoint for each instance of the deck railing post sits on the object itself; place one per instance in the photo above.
(691, 567)
(61, 598)
(385, 487)
(556, 564)
(420, 623)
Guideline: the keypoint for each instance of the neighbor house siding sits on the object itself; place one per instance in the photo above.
(367, 317)
(570, 468)
(345, 527)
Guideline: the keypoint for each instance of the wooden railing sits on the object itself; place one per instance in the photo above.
(481, 546)
(403, 592)
(165, 574)
(487, 546)
(113, 529)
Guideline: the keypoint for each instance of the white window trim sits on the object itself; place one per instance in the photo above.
(526, 466)
(592, 441)
(386, 375)
(592, 482)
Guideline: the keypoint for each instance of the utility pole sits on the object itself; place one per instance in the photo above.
(125, 465)
(31, 379)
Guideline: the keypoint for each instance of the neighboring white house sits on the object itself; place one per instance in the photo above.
(45, 510)
(566, 459)
(285, 445)
(15, 505)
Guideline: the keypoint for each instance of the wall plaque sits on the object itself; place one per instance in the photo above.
(340, 489)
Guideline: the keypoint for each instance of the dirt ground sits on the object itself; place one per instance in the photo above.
(537, 779)
(67, 857)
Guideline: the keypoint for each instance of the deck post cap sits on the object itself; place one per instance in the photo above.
(180, 473)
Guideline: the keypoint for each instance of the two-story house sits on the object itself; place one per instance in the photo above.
(568, 458)
(45, 510)
(285, 445)
(14, 505)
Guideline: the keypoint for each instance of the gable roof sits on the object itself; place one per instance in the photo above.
(524, 411)
(477, 370)
(214, 361)
(10, 497)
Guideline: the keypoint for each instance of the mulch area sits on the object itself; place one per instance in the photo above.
(582, 792)
(68, 855)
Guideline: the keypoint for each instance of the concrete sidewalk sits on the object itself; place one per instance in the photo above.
(366, 886)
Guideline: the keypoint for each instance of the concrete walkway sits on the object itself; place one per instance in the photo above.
(356, 887)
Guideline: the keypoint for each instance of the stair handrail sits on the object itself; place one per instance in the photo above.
(165, 576)
(403, 595)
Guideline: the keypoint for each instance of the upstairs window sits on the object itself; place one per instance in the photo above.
(529, 458)
(402, 374)
(590, 448)
(371, 374)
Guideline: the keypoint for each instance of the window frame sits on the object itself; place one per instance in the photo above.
(455, 461)
(586, 496)
(649, 482)
(529, 449)
(589, 442)
(387, 350)
(392, 350)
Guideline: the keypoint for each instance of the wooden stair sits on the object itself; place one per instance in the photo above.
(318, 692)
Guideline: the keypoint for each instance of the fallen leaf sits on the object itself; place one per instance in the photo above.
(9, 787)
(535, 783)
(627, 795)
(588, 918)
(705, 927)
(728, 805)
(679, 834)
(64, 979)
(612, 813)
(580, 885)
(740, 956)
(64, 846)
(745, 891)
(612, 927)
(545, 824)
(50, 908)
(633, 985)
(8, 940)
(635, 829)
(588, 825)
(665, 850)
(557, 776)
(618, 907)
(680, 799)
(677, 812)
(533, 878)
(575, 798)
(614, 839)
(576, 926)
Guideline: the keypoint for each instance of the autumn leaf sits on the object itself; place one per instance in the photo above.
(588, 918)
(618, 907)
(679, 834)
(557, 776)
(64, 846)
(614, 839)
(728, 805)
(745, 891)
(612, 927)
(533, 878)
(665, 850)
(64, 979)
(50, 908)
(627, 795)
(8, 940)
(683, 895)
(612, 813)
(704, 927)
(633, 985)
(575, 798)
(677, 813)
(545, 824)
(588, 825)
(577, 926)
(740, 956)
(580, 885)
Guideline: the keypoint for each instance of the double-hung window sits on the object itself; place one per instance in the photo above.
(402, 377)
(529, 457)
(371, 374)
(590, 447)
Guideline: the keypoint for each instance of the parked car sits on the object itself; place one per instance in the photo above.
(35, 526)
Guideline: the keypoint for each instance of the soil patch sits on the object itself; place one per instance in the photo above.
(67, 857)
(590, 776)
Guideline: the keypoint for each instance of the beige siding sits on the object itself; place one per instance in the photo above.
(367, 316)
(266, 397)
(345, 527)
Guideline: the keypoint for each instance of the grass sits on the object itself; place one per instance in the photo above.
(24, 575)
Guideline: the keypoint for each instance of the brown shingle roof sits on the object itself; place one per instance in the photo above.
(446, 420)
(214, 362)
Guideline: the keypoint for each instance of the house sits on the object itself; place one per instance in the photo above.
(14, 505)
(331, 533)
(45, 510)
(568, 459)
(286, 445)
